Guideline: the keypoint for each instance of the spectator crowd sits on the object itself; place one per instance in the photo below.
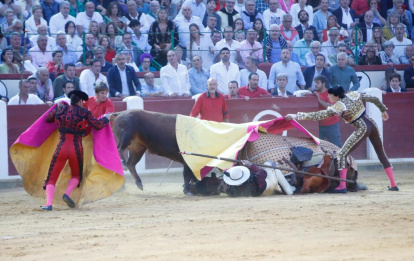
(193, 41)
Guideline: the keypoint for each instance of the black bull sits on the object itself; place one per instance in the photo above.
(139, 130)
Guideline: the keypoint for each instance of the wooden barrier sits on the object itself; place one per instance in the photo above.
(398, 140)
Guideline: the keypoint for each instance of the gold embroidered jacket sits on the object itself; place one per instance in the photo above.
(349, 108)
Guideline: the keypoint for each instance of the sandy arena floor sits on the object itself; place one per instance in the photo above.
(160, 223)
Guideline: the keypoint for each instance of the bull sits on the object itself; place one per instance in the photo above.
(138, 131)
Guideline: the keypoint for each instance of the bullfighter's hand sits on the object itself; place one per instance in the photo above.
(291, 117)
(385, 116)
(246, 163)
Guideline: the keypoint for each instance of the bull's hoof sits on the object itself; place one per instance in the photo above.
(140, 186)
(395, 188)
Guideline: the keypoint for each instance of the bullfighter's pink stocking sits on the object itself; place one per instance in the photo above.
(50, 192)
(73, 182)
(390, 175)
(342, 175)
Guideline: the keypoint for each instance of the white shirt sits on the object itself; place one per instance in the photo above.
(198, 10)
(83, 20)
(40, 58)
(328, 48)
(66, 99)
(223, 75)
(32, 99)
(184, 28)
(124, 82)
(51, 42)
(346, 18)
(399, 49)
(270, 18)
(30, 25)
(88, 81)
(234, 45)
(133, 65)
(145, 25)
(73, 43)
(244, 78)
(369, 31)
(394, 90)
(175, 81)
(57, 23)
(310, 59)
(282, 94)
(150, 19)
(294, 11)
(202, 50)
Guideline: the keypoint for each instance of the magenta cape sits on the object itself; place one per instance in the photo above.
(103, 173)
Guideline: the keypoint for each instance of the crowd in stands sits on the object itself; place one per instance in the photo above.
(192, 41)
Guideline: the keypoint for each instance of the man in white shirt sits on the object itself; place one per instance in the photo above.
(183, 23)
(24, 97)
(42, 30)
(58, 21)
(292, 69)
(273, 15)
(133, 14)
(329, 47)
(40, 54)
(197, 6)
(211, 24)
(232, 45)
(315, 49)
(152, 15)
(89, 78)
(225, 71)
(400, 42)
(83, 20)
(174, 77)
(251, 67)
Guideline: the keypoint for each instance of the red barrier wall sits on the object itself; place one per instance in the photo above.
(398, 140)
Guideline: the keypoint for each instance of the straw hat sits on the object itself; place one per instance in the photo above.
(235, 176)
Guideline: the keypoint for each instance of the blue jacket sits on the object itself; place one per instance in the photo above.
(309, 74)
(114, 81)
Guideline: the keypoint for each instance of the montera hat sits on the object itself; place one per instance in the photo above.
(235, 176)
(80, 94)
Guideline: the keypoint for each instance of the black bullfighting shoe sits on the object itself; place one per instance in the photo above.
(68, 201)
(395, 188)
(48, 208)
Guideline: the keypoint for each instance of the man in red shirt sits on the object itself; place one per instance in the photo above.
(329, 127)
(252, 89)
(211, 105)
(100, 104)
